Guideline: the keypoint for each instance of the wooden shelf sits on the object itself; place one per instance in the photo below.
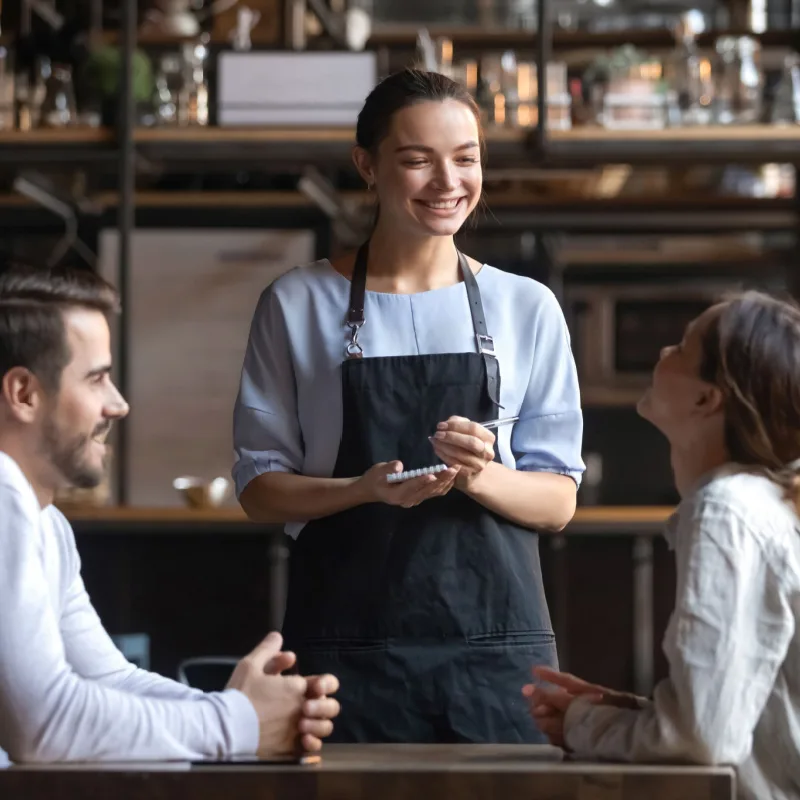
(716, 133)
(345, 135)
(331, 147)
(475, 37)
(292, 147)
(508, 212)
(588, 519)
(246, 135)
(47, 136)
(58, 146)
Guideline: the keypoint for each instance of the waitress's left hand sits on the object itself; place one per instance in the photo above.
(459, 442)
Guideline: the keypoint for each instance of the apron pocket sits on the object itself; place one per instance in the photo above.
(332, 644)
(511, 639)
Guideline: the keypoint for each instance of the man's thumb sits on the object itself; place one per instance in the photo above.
(266, 650)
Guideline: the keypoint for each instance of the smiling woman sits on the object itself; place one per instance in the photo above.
(387, 360)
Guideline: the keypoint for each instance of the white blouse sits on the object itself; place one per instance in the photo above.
(288, 414)
(733, 646)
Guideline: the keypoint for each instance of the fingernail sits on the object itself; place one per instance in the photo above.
(439, 435)
(442, 426)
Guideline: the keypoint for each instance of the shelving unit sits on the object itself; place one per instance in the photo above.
(127, 148)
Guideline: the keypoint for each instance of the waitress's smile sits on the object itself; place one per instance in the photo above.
(444, 208)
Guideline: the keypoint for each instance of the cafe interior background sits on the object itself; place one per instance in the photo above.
(193, 150)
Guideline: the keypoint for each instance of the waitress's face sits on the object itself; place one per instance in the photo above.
(427, 172)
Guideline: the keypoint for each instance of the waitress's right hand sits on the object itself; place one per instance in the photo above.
(377, 488)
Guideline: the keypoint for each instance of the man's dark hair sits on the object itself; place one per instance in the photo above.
(32, 305)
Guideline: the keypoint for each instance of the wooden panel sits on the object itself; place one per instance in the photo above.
(192, 297)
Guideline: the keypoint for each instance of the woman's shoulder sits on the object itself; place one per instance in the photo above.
(303, 281)
(739, 488)
(310, 276)
(518, 293)
(753, 502)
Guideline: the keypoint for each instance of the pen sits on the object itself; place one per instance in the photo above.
(496, 423)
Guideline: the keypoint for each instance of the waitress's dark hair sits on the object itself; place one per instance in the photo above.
(407, 88)
(751, 351)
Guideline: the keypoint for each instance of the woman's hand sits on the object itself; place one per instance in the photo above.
(377, 489)
(577, 686)
(549, 706)
(466, 445)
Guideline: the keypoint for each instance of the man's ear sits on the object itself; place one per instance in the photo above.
(710, 400)
(363, 161)
(23, 393)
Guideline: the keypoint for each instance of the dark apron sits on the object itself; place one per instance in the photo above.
(431, 616)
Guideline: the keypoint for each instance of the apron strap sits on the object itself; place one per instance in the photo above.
(484, 342)
(355, 313)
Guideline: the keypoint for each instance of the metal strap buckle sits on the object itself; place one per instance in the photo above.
(480, 338)
(354, 349)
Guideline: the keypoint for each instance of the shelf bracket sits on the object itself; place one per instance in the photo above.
(38, 189)
(349, 225)
(47, 12)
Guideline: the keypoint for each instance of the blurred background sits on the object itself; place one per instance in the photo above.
(193, 150)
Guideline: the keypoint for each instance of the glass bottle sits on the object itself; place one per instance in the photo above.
(58, 108)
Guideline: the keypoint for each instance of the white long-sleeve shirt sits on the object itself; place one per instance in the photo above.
(66, 692)
(732, 643)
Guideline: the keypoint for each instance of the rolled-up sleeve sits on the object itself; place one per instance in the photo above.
(266, 429)
(549, 433)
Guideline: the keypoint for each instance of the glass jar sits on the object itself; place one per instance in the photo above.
(58, 107)
(739, 85)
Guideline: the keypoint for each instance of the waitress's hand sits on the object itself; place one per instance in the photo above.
(467, 445)
(407, 493)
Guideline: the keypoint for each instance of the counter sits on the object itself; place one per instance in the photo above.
(382, 772)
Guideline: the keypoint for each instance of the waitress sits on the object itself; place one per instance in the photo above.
(424, 597)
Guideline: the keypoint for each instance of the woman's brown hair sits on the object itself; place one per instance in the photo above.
(401, 90)
(751, 351)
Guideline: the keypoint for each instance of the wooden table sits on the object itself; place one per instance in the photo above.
(378, 772)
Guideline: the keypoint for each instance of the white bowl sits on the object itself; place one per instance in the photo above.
(199, 493)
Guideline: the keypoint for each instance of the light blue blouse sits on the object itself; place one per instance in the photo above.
(288, 413)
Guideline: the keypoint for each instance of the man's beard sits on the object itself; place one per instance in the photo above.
(68, 455)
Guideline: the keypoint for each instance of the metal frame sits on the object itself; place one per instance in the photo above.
(125, 220)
